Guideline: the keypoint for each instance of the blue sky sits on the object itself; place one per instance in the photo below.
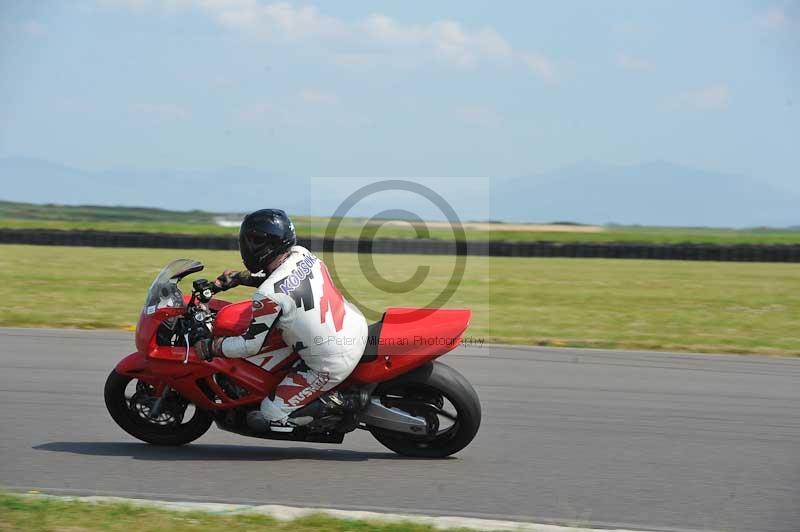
(402, 88)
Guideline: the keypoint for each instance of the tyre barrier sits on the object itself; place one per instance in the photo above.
(604, 250)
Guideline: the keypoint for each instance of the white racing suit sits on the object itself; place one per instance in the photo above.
(317, 324)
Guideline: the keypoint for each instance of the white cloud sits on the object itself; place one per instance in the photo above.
(540, 65)
(632, 63)
(317, 96)
(358, 60)
(34, 28)
(128, 4)
(774, 18)
(297, 114)
(633, 28)
(257, 112)
(223, 82)
(162, 111)
(710, 98)
(479, 116)
(385, 30)
(447, 42)
(278, 20)
(282, 115)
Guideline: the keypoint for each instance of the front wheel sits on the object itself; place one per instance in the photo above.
(444, 398)
(130, 402)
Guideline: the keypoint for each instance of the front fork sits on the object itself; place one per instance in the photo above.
(159, 404)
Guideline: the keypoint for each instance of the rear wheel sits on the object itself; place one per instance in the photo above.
(444, 398)
(131, 401)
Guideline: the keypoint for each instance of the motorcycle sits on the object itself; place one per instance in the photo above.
(164, 394)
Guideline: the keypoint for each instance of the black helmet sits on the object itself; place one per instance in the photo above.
(263, 236)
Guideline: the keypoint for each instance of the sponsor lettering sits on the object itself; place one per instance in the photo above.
(298, 283)
(301, 271)
(309, 391)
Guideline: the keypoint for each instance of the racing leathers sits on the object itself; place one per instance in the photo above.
(324, 334)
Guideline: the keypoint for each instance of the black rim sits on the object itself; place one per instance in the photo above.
(140, 399)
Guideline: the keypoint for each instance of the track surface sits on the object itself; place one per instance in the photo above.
(642, 440)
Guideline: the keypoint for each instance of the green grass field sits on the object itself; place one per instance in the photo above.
(28, 216)
(665, 305)
(39, 514)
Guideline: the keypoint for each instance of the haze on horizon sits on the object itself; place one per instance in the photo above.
(525, 94)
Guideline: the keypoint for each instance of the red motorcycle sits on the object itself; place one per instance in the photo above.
(166, 395)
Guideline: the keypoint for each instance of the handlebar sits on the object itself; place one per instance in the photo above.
(204, 289)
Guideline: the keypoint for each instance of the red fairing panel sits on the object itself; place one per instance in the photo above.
(149, 323)
(234, 319)
(187, 379)
(409, 338)
(195, 379)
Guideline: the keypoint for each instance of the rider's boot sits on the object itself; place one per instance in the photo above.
(329, 404)
(332, 403)
(259, 423)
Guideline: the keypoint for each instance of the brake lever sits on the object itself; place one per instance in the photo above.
(186, 339)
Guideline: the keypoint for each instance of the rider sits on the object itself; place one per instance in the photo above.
(296, 295)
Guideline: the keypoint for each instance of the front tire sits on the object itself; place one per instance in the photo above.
(130, 414)
(432, 386)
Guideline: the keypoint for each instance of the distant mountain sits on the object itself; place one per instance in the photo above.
(653, 193)
(233, 189)
(39, 181)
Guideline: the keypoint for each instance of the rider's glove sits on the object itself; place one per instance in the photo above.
(253, 280)
(204, 349)
(207, 348)
(229, 279)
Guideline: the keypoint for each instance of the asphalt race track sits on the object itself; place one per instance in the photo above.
(602, 438)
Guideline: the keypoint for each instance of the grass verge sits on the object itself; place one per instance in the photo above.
(36, 514)
(661, 305)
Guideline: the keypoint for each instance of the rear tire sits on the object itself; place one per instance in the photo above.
(451, 385)
(132, 422)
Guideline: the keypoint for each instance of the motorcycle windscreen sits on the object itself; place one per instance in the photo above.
(164, 292)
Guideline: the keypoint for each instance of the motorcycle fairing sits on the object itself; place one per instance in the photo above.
(408, 338)
(411, 337)
(196, 379)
